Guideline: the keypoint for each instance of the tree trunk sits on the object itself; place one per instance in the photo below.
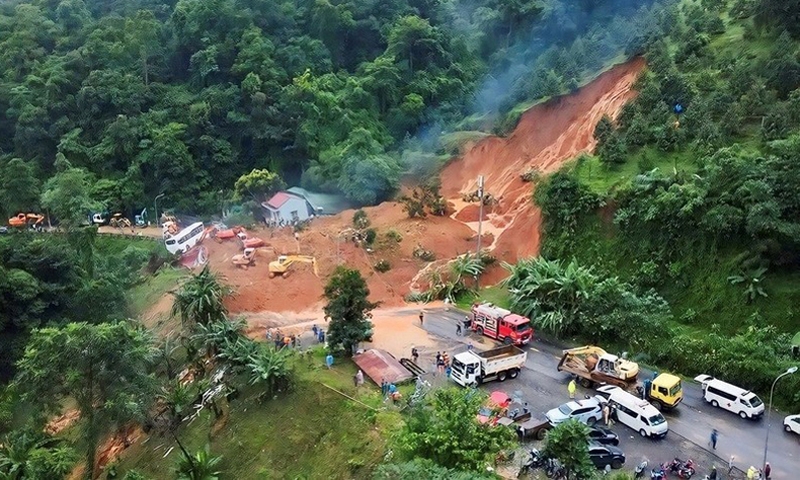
(91, 447)
(145, 73)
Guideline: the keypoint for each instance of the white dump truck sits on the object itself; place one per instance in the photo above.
(473, 368)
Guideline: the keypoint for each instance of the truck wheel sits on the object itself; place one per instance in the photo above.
(479, 381)
(541, 434)
(585, 383)
(658, 405)
(501, 377)
(507, 340)
(479, 330)
(513, 373)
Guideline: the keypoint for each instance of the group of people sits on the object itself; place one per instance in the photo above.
(319, 333)
(280, 340)
(443, 363)
(389, 390)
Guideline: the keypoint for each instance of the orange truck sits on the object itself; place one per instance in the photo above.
(500, 324)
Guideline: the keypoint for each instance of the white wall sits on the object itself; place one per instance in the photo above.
(294, 204)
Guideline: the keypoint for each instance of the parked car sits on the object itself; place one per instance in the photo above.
(792, 424)
(3, 230)
(603, 455)
(603, 436)
(587, 411)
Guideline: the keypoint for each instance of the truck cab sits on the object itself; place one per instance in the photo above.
(665, 391)
(501, 324)
(466, 369)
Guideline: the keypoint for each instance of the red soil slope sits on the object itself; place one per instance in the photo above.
(546, 137)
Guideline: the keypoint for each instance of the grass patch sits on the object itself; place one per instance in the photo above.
(147, 293)
(312, 432)
(496, 294)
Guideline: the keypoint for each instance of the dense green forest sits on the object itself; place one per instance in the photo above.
(683, 231)
(134, 99)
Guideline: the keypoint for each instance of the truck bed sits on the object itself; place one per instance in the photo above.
(500, 352)
(577, 367)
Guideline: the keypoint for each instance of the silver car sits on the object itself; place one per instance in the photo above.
(588, 411)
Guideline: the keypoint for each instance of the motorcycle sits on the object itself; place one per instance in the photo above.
(536, 460)
(681, 469)
(639, 471)
(658, 473)
(553, 469)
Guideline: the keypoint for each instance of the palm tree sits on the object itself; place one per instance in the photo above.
(200, 466)
(22, 449)
(199, 301)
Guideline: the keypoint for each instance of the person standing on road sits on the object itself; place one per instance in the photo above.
(414, 354)
(713, 441)
(458, 329)
(421, 317)
(713, 474)
(606, 412)
(571, 388)
(752, 473)
(767, 471)
(730, 465)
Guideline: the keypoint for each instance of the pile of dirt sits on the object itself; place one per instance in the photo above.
(254, 291)
(547, 136)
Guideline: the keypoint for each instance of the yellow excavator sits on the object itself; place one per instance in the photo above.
(245, 259)
(118, 221)
(282, 264)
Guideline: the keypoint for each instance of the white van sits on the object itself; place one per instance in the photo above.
(187, 238)
(721, 394)
(636, 413)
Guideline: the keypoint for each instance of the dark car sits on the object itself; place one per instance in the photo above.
(603, 455)
(603, 436)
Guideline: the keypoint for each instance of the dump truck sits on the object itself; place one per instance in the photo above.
(594, 366)
(500, 324)
(472, 368)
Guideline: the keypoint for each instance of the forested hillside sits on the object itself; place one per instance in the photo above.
(126, 100)
(683, 230)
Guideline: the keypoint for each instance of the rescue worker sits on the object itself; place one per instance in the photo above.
(571, 389)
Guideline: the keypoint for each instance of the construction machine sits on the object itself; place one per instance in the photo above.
(245, 259)
(282, 264)
(141, 219)
(34, 221)
(593, 365)
(118, 221)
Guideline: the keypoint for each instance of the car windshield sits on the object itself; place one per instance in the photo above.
(565, 409)
(675, 390)
(755, 402)
(656, 420)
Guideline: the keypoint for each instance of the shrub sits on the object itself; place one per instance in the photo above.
(423, 254)
(383, 266)
(360, 219)
(369, 236)
(394, 236)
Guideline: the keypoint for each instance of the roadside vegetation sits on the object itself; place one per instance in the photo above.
(678, 241)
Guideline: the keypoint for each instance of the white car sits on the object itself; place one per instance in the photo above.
(588, 411)
(792, 424)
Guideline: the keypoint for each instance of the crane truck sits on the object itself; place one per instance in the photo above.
(473, 368)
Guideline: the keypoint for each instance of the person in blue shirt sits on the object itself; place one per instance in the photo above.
(329, 361)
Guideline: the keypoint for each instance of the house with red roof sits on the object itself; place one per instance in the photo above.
(296, 205)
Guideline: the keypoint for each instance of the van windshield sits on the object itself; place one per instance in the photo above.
(755, 401)
(656, 420)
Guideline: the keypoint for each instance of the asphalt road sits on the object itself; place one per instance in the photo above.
(543, 387)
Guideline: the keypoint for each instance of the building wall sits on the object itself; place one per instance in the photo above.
(292, 205)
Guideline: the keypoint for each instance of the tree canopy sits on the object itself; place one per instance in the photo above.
(348, 308)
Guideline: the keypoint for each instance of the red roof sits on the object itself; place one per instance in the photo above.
(380, 364)
(278, 200)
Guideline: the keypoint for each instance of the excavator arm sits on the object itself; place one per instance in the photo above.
(282, 264)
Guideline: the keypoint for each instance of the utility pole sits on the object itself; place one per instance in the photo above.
(155, 204)
(480, 224)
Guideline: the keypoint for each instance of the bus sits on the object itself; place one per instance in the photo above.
(187, 238)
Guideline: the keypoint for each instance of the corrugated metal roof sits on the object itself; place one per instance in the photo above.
(323, 203)
(278, 200)
(381, 365)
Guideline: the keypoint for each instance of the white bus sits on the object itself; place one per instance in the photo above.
(185, 239)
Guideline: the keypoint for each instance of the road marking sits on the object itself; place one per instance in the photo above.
(535, 350)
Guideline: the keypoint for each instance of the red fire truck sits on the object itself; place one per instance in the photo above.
(501, 324)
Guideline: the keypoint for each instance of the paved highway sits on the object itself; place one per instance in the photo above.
(543, 387)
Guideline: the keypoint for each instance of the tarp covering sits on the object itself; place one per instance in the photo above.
(381, 365)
